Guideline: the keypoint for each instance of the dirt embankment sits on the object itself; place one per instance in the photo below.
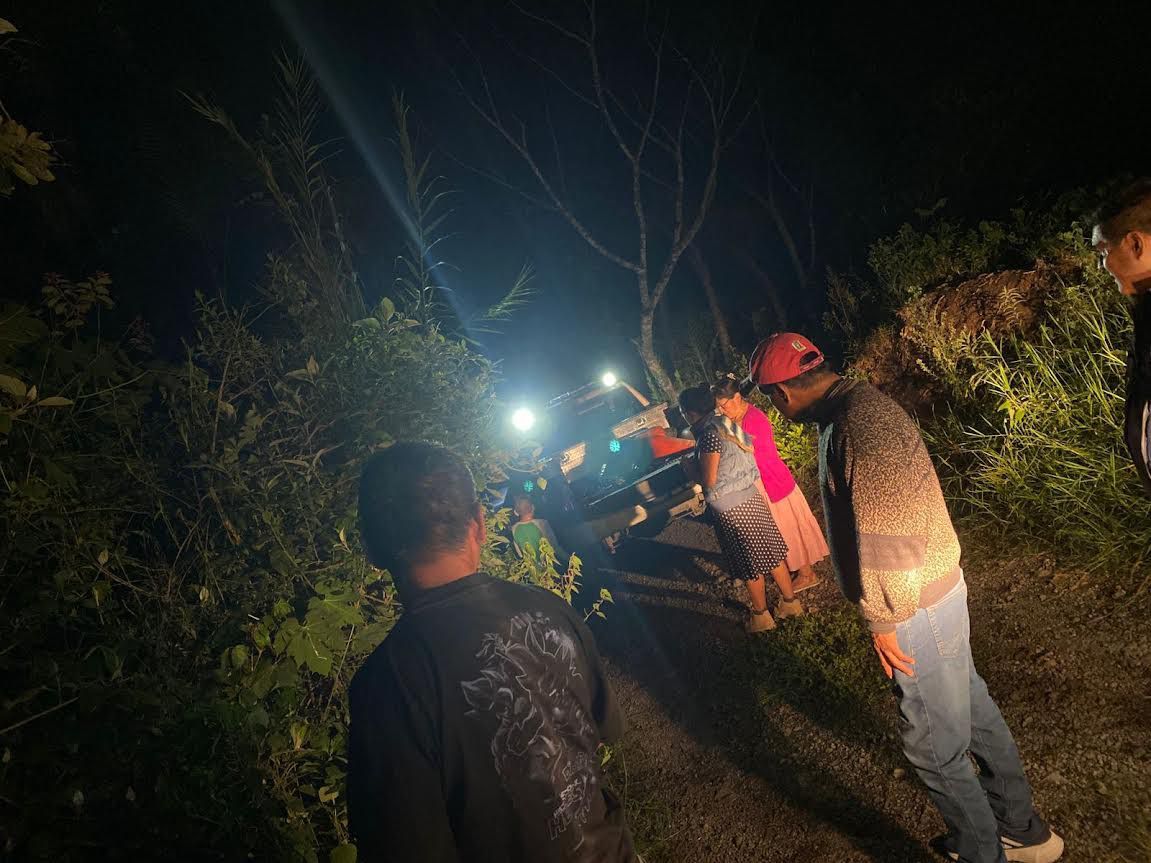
(904, 360)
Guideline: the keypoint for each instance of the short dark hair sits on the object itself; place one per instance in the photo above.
(417, 500)
(697, 400)
(1127, 210)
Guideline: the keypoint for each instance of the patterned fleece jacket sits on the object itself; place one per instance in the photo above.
(892, 542)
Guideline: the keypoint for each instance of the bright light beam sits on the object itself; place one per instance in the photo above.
(609, 379)
(523, 419)
(353, 122)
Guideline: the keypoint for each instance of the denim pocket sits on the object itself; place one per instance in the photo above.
(950, 625)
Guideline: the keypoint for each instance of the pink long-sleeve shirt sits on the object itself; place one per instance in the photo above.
(777, 479)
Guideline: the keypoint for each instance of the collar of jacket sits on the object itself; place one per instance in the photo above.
(828, 407)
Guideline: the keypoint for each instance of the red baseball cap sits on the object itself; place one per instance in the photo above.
(781, 357)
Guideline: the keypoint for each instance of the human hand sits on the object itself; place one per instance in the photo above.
(886, 644)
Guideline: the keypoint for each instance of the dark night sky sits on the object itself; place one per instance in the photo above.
(883, 110)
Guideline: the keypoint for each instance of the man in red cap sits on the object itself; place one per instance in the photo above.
(896, 555)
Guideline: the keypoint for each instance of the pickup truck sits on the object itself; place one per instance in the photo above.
(605, 463)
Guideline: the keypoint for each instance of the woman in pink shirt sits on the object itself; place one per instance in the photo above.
(805, 542)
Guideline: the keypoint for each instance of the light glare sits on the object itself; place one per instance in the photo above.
(609, 379)
(523, 419)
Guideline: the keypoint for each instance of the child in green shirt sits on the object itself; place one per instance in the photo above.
(529, 530)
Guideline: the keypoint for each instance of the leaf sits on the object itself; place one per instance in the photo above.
(31, 396)
(313, 367)
(204, 594)
(282, 562)
(5, 422)
(299, 731)
(387, 309)
(6, 27)
(343, 854)
(327, 794)
(258, 717)
(102, 557)
(238, 656)
(13, 386)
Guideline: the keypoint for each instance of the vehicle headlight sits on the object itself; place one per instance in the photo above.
(523, 419)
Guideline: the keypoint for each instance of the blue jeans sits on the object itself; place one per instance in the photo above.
(946, 713)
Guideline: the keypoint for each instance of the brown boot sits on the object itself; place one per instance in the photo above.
(789, 608)
(760, 621)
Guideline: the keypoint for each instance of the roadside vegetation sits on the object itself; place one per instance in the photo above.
(184, 596)
(1010, 342)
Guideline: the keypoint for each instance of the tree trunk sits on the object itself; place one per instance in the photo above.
(647, 352)
(721, 329)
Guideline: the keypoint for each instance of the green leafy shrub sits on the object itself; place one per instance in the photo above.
(1038, 447)
(24, 154)
(1026, 420)
(915, 260)
(911, 261)
(185, 596)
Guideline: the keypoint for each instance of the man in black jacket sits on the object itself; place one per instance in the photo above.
(475, 725)
(1122, 237)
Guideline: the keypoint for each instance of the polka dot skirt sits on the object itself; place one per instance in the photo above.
(750, 540)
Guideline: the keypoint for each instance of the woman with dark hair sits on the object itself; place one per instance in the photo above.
(806, 544)
(747, 533)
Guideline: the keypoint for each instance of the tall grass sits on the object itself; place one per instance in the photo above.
(1038, 449)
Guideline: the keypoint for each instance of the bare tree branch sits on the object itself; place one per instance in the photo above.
(652, 132)
(554, 25)
(519, 145)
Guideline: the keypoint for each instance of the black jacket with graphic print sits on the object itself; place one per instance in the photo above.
(1139, 389)
(474, 730)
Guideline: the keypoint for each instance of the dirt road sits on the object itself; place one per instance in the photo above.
(783, 747)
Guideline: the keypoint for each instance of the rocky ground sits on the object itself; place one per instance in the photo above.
(782, 747)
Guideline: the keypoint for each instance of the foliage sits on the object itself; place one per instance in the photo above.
(915, 260)
(315, 278)
(1028, 436)
(24, 154)
(418, 282)
(185, 596)
(1037, 447)
(911, 261)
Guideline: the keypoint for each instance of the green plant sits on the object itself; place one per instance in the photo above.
(185, 597)
(24, 155)
(1038, 448)
(942, 350)
(315, 278)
